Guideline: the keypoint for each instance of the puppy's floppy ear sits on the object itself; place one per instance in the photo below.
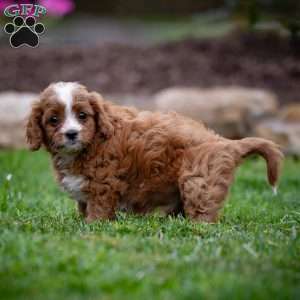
(102, 115)
(34, 134)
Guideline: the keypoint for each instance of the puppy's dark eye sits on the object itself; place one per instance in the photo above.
(82, 115)
(53, 120)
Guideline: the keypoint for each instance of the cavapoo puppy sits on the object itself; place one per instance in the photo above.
(111, 158)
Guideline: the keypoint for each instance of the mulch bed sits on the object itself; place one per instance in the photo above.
(264, 61)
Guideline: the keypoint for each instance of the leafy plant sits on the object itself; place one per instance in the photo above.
(285, 12)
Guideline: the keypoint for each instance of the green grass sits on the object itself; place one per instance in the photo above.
(197, 26)
(48, 252)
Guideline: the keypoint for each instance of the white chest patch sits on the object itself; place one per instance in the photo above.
(73, 184)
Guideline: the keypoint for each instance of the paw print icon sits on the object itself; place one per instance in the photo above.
(24, 32)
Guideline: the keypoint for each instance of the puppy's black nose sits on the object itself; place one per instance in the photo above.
(71, 134)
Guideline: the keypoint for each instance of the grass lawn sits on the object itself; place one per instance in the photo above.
(48, 252)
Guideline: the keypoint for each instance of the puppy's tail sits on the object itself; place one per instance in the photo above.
(268, 150)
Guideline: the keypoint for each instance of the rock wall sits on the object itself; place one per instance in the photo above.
(234, 112)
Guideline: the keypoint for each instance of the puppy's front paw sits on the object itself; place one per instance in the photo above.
(90, 219)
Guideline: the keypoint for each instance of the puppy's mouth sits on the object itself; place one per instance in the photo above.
(71, 146)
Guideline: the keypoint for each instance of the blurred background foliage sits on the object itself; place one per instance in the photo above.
(247, 14)
(155, 7)
(284, 12)
(178, 18)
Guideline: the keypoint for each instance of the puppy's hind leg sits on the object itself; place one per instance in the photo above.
(207, 173)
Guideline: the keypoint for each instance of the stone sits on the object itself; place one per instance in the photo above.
(230, 111)
(284, 133)
(290, 113)
(14, 108)
(233, 112)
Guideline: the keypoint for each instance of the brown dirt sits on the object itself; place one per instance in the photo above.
(264, 61)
